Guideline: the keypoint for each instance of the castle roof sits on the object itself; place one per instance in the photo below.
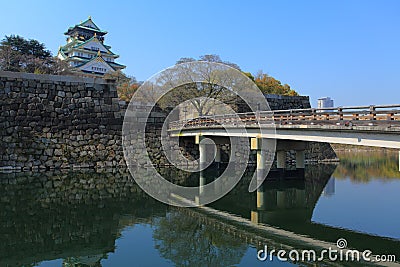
(96, 59)
(94, 39)
(85, 49)
(86, 25)
(79, 45)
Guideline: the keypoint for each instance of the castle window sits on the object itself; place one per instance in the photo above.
(99, 69)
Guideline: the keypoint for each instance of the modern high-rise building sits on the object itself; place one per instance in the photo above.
(325, 102)
(86, 52)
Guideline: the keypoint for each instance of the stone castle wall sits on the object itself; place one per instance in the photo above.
(51, 121)
(279, 102)
(56, 122)
(282, 102)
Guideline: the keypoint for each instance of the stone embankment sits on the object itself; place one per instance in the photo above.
(65, 122)
(58, 122)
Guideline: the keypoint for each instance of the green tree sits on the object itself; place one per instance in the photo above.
(22, 55)
(26, 47)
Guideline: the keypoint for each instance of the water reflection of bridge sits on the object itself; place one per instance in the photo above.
(288, 205)
(39, 222)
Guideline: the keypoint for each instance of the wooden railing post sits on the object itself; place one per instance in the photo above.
(372, 113)
(327, 117)
(340, 110)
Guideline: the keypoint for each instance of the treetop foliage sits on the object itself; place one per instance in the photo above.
(127, 86)
(208, 58)
(267, 84)
(270, 85)
(22, 55)
(26, 47)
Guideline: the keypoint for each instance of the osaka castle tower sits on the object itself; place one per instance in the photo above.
(86, 52)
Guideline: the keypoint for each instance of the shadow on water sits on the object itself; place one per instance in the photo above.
(78, 216)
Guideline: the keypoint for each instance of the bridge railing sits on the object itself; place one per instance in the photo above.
(358, 115)
(386, 112)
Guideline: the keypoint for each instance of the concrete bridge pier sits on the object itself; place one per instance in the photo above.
(217, 159)
(204, 153)
(256, 144)
(256, 215)
(202, 162)
(260, 164)
(286, 145)
(202, 183)
(261, 198)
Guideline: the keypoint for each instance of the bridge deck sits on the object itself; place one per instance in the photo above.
(378, 126)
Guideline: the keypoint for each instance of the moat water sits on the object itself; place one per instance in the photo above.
(76, 219)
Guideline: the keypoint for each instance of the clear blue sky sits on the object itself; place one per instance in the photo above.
(349, 50)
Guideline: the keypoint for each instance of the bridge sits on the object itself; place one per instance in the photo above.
(375, 126)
